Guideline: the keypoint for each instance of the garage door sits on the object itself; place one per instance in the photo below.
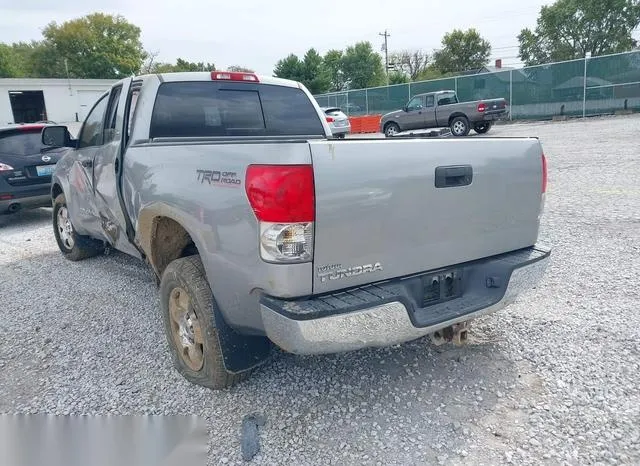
(86, 100)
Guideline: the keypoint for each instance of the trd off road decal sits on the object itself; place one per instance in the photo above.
(220, 178)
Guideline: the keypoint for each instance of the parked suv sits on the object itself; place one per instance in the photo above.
(26, 165)
(338, 121)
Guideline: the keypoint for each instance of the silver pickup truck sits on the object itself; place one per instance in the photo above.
(443, 109)
(261, 229)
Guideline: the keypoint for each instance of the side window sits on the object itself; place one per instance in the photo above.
(112, 111)
(415, 104)
(133, 101)
(430, 101)
(92, 129)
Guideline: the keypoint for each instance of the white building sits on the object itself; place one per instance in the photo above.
(61, 100)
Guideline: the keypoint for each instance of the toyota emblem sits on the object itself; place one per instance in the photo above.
(46, 158)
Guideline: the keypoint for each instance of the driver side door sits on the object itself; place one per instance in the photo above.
(414, 117)
(80, 200)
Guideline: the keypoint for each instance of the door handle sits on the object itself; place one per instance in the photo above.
(87, 163)
(454, 176)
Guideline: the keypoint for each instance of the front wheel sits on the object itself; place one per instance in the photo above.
(391, 129)
(75, 247)
(482, 128)
(187, 310)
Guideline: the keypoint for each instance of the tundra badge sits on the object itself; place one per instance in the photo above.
(337, 272)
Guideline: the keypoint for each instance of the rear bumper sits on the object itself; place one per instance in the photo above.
(24, 197)
(495, 116)
(340, 129)
(389, 313)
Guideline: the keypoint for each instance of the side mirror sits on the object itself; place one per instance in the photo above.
(405, 109)
(56, 136)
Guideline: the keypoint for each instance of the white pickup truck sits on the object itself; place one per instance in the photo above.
(262, 229)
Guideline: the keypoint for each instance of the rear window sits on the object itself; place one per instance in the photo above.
(21, 143)
(205, 109)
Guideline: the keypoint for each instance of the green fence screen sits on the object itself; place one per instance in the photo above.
(538, 92)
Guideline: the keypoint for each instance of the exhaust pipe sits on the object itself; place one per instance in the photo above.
(14, 207)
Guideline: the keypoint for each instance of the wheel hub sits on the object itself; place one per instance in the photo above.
(65, 229)
(185, 328)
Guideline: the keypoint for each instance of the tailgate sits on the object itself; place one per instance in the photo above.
(379, 214)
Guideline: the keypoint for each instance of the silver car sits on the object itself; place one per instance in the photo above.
(338, 121)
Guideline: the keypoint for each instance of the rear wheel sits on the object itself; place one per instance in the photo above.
(459, 126)
(75, 247)
(391, 129)
(187, 310)
(482, 128)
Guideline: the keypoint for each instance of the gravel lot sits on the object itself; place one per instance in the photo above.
(553, 379)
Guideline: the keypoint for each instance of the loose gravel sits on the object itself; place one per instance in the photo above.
(553, 379)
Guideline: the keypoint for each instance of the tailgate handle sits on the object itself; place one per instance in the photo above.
(454, 176)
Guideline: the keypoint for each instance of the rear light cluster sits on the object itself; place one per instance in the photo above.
(482, 107)
(283, 200)
(233, 76)
(330, 119)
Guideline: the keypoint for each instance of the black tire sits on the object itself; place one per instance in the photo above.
(73, 246)
(187, 275)
(391, 129)
(459, 126)
(482, 128)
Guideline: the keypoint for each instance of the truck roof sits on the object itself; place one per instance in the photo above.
(206, 76)
(435, 92)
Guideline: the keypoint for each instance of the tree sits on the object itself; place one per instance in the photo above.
(151, 66)
(410, 63)
(240, 69)
(332, 63)
(569, 29)
(362, 67)
(95, 46)
(8, 62)
(184, 65)
(315, 77)
(398, 77)
(462, 51)
(290, 68)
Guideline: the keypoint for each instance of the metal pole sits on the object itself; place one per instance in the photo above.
(511, 94)
(455, 84)
(584, 86)
(386, 53)
(366, 101)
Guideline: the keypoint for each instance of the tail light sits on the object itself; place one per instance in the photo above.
(283, 200)
(5, 168)
(233, 76)
(330, 120)
(482, 107)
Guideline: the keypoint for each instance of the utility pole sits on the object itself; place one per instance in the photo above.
(386, 52)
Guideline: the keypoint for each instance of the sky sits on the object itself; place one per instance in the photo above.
(257, 33)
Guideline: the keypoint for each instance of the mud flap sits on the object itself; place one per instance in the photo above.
(240, 352)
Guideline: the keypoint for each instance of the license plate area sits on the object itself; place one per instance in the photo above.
(440, 287)
(45, 170)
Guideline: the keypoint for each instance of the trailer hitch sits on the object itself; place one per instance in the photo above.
(456, 334)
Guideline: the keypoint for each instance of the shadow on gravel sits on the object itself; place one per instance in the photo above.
(26, 218)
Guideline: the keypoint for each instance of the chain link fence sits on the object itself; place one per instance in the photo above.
(590, 86)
